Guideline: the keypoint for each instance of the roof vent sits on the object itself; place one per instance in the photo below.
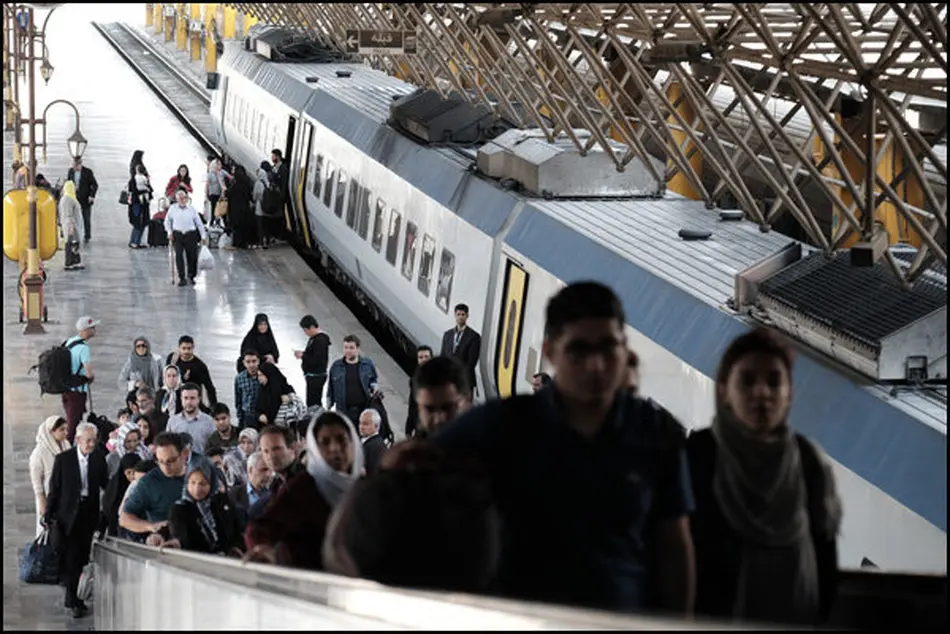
(424, 115)
(312, 79)
(731, 214)
(558, 169)
(343, 73)
(694, 234)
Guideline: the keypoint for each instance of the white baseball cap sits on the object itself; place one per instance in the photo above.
(86, 322)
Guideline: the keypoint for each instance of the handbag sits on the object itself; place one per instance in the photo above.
(40, 561)
(124, 197)
(292, 411)
(88, 576)
(221, 209)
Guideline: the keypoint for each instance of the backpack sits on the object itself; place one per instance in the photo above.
(55, 368)
(271, 201)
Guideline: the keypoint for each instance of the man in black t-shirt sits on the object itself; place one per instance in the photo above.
(193, 370)
(314, 359)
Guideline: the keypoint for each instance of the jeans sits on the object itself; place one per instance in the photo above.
(87, 221)
(138, 227)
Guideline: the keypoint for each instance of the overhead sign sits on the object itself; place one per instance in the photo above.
(379, 42)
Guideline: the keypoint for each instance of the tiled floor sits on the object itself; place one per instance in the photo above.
(130, 291)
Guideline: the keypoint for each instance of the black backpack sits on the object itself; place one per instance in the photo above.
(272, 202)
(56, 370)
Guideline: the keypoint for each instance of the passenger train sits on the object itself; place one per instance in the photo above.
(415, 229)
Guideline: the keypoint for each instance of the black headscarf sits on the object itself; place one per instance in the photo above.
(268, 400)
(114, 493)
(264, 343)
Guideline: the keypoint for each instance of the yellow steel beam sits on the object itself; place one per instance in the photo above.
(210, 14)
(195, 11)
(211, 53)
(158, 17)
(680, 183)
(247, 22)
(230, 18)
(181, 35)
(149, 14)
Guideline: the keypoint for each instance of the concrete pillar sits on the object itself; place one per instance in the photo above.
(680, 183)
(196, 40)
(211, 53)
(158, 17)
(194, 11)
(170, 30)
(181, 34)
(228, 30)
(149, 14)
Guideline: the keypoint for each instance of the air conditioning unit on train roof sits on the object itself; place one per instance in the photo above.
(425, 115)
(558, 169)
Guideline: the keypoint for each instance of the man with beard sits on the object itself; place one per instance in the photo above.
(442, 392)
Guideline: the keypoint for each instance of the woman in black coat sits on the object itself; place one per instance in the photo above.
(115, 493)
(274, 388)
(205, 520)
(240, 210)
(260, 338)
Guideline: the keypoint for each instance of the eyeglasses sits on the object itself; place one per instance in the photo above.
(144, 401)
(168, 463)
(141, 345)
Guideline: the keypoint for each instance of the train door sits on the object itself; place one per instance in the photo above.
(510, 321)
(304, 178)
(289, 160)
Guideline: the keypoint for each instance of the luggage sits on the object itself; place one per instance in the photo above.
(55, 369)
(40, 561)
(156, 233)
(214, 236)
(205, 259)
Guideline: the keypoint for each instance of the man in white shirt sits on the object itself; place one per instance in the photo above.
(191, 420)
(184, 228)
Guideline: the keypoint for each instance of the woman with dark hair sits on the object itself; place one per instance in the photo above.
(204, 520)
(767, 514)
(140, 195)
(292, 528)
(182, 178)
(274, 392)
(240, 212)
(115, 493)
(260, 338)
(137, 156)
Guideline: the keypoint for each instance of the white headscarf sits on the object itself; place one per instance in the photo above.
(333, 484)
(44, 437)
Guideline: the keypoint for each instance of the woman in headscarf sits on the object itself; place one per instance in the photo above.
(234, 467)
(261, 338)
(115, 492)
(216, 187)
(274, 392)
(141, 368)
(257, 195)
(240, 213)
(70, 217)
(204, 520)
(168, 399)
(247, 441)
(128, 440)
(50, 441)
(767, 514)
(291, 529)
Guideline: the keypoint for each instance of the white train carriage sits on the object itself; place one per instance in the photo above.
(414, 229)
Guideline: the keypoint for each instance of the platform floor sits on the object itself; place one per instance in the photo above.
(130, 291)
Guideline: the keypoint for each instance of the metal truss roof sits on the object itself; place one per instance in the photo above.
(788, 91)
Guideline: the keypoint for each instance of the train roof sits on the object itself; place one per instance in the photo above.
(634, 246)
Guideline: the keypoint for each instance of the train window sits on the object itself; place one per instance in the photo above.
(340, 193)
(378, 225)
(262, 131)
(362, 214)
(317, 175)
(252, 136)
(409, 251)
(443, 291)
(425, 267)
(356, 191)
(328, 184)
(242, 117)
(392, 244)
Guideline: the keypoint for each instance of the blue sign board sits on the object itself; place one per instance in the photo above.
(23, 19)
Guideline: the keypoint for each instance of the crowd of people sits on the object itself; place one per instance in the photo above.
(584, 492)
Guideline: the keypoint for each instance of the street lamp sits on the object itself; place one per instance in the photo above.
(77, 144)
(46, 70)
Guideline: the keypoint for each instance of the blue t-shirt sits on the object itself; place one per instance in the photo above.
(154, 495)
(578, 513)
(79, 355)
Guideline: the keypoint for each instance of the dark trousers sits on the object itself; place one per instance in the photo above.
(186, 244)
(87, 221)
(315, 389)
(74, 404)
(76, 547)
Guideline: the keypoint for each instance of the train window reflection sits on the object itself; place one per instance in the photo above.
(378, 225)
(362, 218)
(328, 184)
(317, 175)
(340, 193)
(392, 244)
(428, 261)
(355, 192)
(443, 292)
(409, 250)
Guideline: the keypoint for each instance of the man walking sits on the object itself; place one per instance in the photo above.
(72, 507)
(86, 189)
(74, 398)
(314, 359)
(353, 380)
(184, 229)
(463, 343)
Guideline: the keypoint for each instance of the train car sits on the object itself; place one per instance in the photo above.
(413, 229)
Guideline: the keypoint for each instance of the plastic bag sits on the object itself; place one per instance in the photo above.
(205, 259)
(225, 242)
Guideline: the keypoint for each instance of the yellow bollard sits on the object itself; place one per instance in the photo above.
(181, 36)
(230, 17)
(149, 14)
(159, 19)
(211, 54)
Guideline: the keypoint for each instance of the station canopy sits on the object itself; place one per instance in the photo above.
(749, 105)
